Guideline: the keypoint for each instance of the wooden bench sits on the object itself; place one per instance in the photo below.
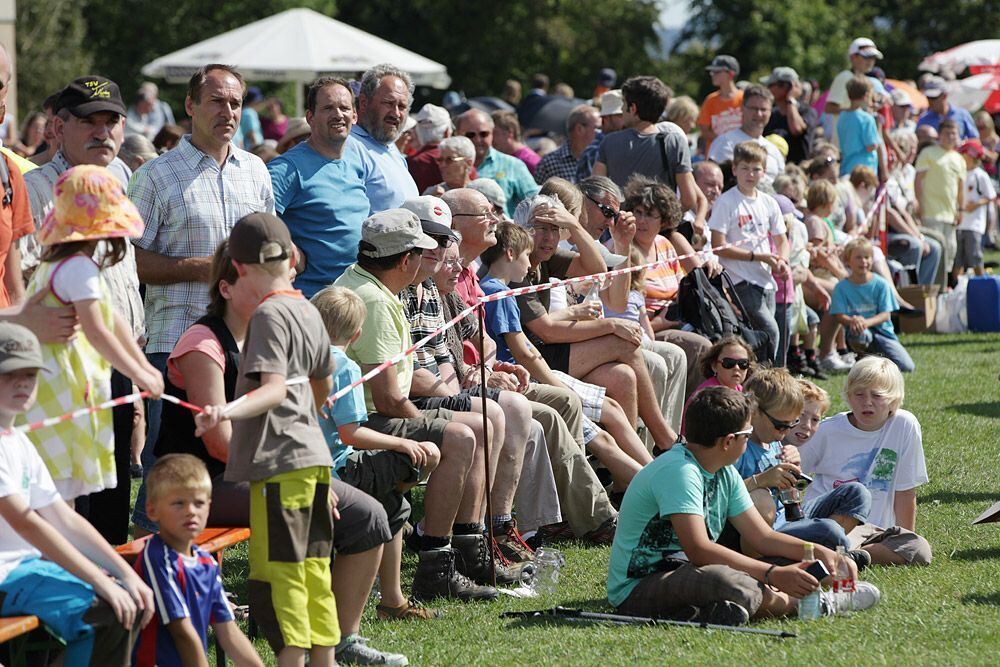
(15, 636)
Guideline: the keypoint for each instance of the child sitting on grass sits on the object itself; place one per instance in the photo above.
(185, 580)
(877, 444)
(82, 591)
(726, 364)
(666, 560)
(863, 303)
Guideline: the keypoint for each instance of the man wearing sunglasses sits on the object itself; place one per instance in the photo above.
(510, 173)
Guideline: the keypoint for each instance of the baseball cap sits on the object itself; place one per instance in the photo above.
(432, 114)
(90, 94)
(901, 98)
(393, 232)
(727, 63)
(19, 348)
(607, 77)
(781, 75)
(491, 190)
(258, 238)
(410, 123)
(863, 46)
(612, 103)
(973, 148)
(933, 88)
(434, 215)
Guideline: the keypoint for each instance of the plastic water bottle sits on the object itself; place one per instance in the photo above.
(594, 295)
(843, 584)
(809, 606)
(548, 562)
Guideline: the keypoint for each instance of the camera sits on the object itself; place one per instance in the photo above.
(791, 497)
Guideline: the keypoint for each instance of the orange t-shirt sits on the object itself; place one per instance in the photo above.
(721, 115)
(15, 222)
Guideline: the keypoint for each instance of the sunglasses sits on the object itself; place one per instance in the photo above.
(606, 211)
(729, 363)
(482, 134)
(747, 432)
(778, 424)
(443, 241)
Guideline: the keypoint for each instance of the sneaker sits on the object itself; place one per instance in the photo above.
(510, 543)
(354, 650)
(848, 357)
(410, 611)
(473, 560)
(834, 363)
(603, 534)
(866, 595)
(436, 577)
(717, 613)
(861, 558)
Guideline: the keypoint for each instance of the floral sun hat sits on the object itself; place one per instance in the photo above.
(89, 204)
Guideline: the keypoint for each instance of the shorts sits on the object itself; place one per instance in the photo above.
(429, 427)
(363, 524)
(378, 473)
(291, 542)
(906, 544)
(556, 355)
(591, 395)
(460, 402)
(663, 593)
(969, 254)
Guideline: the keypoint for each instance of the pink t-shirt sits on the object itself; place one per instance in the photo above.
(198, 338)
(528, 157)
(710, 382)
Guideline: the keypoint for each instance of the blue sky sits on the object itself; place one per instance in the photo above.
(675, 13)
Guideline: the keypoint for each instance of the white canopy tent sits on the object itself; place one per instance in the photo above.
(296, 45)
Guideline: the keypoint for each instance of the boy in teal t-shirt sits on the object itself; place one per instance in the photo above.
(665, 561)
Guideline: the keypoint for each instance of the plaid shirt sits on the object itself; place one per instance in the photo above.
(122, 279)
(559, 162)
(425, 316)
(190, 205)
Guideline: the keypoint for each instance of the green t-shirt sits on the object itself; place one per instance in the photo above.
(386, 331)
(674, 483)
(944, 174)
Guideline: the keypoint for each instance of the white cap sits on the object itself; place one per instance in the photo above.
(864, 47)
(409, 124)
(434, 214)
(612, 103)
(432, 114)
(901, 98)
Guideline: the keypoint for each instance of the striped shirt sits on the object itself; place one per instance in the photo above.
(425, 315)
(190, 205)
(122, 279)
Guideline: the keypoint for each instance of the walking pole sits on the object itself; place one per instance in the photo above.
(486, 442)
(620, 619)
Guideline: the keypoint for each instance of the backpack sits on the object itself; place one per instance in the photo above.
(704, 306)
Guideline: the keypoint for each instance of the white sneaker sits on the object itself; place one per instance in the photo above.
(834, 364)
(866, 595)
(849, 358)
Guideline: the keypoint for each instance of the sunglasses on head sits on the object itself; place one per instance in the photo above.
(778, 424)
(729, 363)
(606, 211)
(482, 134)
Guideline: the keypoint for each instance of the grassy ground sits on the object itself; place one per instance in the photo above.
(943, 614)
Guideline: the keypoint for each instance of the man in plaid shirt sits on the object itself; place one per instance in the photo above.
(581, 128)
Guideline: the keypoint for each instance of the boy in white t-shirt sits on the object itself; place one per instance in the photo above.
(979, 197)
(878, 444)
(95, 614)
(745, 214)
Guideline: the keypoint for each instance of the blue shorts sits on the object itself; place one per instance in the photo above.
(40, 588)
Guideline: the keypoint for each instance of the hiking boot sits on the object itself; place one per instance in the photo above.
(436, 577)
(354, 650)
(860, 557)
(725, 612)
(833, 363)
(512, 545)
(554, 532)
(813, 365)
(473, 560)
(603, 534)
(410, 611)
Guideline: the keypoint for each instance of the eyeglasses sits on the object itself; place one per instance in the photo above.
(606, 211)
(443, 241)
(481, 134)
(488, 214)
(729, 363)
(778, 424)
(453, 264)
(747, 432)
(449, 158)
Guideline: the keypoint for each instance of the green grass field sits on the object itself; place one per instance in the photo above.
(944, 614)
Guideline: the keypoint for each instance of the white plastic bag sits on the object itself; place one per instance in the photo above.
(951, 316)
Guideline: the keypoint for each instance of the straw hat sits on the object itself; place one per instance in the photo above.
(89, 204)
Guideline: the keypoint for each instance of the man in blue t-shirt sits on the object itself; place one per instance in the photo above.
(319, 187)
(939, 110)
(665, 560)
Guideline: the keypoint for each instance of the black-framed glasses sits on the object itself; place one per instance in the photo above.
(482, 134)
(729, 363)
(443, 240)
(778, 424)
(606, 211)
